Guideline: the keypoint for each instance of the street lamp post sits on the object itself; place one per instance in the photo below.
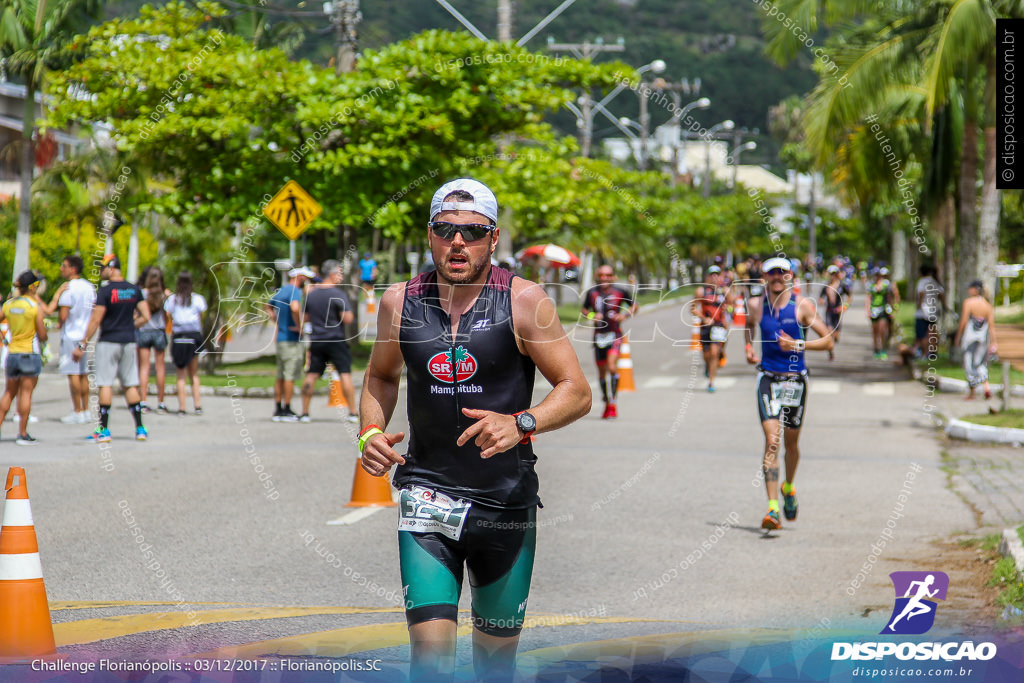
(702, 103)
(733, 158)
(724, 125)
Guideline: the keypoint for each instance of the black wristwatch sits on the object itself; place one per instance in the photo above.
(527, 424)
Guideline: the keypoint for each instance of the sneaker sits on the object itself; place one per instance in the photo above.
(305, 418)
(84, 417)
(199, 411)
(144, 408)
(789, 505)
(607, 411)
(162, 408)
(722, 361)
(288, 416)
(141, 434)
(711, 388)
(15, 417)
(26, 440)
(71, 419)
(882, 355)
(278, 414)
(771, 521)
(612, 411)
(99, 435)
(181, 413)
(352, 417)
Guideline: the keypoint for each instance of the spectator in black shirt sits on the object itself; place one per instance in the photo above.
(120, 309)
(328, 311)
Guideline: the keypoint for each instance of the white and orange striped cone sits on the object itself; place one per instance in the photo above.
(739, 319)
(336, 397)
(25, 629)
(371, 304)
(625, 367)
(695, 337)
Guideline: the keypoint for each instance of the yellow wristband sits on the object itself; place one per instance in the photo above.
(370, 433)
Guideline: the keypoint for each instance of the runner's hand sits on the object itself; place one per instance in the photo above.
(495, 432)
(751, 356)
(786, 343)
(76, 354)
(378, 454)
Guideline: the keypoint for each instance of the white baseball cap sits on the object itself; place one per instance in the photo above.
(301, 270)
(484, 201)
(776, 263)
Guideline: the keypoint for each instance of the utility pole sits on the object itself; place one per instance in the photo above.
(585, 51)
(504, 249)
(345, 16)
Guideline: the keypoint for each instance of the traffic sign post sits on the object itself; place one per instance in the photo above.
(292, 210)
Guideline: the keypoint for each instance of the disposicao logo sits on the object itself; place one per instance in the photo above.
(440, 365)
(916, 593)
(913, 614)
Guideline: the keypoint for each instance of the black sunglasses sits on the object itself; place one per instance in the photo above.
(471, 232)
(776, 271)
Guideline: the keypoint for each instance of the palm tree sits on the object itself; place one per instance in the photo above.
(33, 38)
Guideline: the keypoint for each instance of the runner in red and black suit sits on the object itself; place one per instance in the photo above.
(607, 306)
(711, 305)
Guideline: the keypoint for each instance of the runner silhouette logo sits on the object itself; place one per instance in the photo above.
(916, 595)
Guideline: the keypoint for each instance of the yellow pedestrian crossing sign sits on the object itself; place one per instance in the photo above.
(292, 210)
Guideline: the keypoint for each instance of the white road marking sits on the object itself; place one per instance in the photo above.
(354, 516)
(660, 383)
(823, 386)
(880, 389)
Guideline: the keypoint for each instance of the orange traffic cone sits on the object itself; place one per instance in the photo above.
(369, 491)
(336, 397)
(25, 629)
(371, 304)
(695, 337)
(625, 367)
(796, 286)
(740, 317)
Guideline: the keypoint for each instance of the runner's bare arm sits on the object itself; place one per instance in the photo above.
(807, 316)
(94, 322)
(41, 323)
(380, 385)
(754, 307)
(540, 336)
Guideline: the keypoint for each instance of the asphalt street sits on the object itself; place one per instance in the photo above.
(188, 544)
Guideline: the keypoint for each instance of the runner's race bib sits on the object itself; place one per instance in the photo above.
(718, 334)
(787, 393)
(603, 340)
(423, 510)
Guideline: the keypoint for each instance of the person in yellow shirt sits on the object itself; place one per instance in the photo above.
(24, 316)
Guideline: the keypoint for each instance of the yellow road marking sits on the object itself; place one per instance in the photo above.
(346, 641)
(101, 604)
(92, 630)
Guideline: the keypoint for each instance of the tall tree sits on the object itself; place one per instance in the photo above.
(33, 38)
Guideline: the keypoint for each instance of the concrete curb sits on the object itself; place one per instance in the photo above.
(969, 431)
(1010, 546)
(959, 386)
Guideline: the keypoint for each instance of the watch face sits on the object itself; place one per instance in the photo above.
(526, 422)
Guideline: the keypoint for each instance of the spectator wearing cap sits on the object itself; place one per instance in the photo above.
(24, 315)
(120, 310)
(73, 302)
(286, 307)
